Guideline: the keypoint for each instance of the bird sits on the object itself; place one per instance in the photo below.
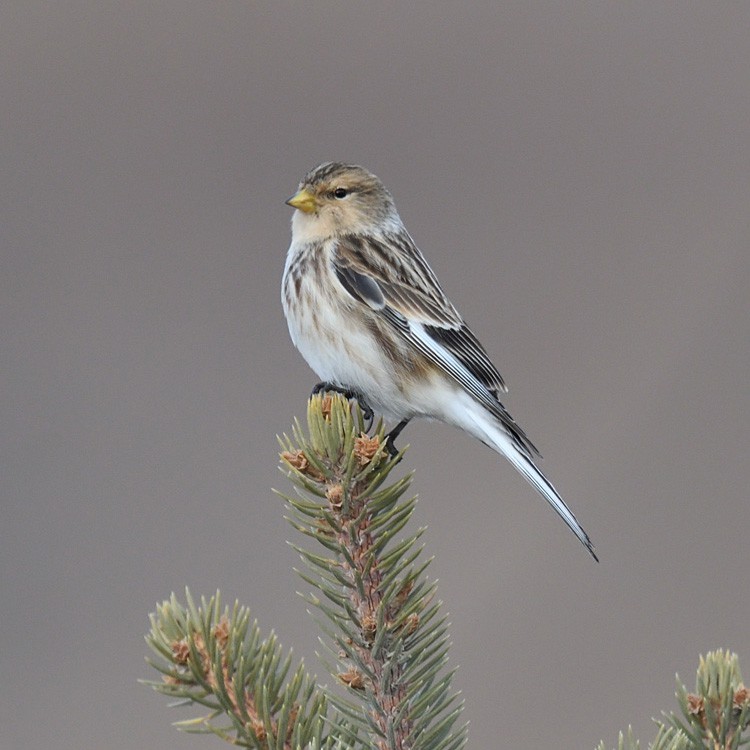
(371, 319)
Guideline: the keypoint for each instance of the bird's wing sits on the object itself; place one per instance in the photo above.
(392, 277)
(396, 270)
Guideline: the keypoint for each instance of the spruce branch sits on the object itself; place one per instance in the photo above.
(713, 717)
(216, 658)
(386, 639)
(385, 635)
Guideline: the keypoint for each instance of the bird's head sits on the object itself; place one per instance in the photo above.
(336, 199)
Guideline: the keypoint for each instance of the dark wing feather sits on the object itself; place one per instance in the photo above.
(361, 287)
(463, 344)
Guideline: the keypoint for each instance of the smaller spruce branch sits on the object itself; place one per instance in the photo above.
(713, 717)
(217, 659)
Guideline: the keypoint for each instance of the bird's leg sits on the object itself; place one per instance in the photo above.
(392, 435)
(349, 393)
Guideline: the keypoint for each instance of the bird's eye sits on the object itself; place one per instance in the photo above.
(340, 192)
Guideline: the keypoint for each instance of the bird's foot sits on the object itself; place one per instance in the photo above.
(391, 437)
(349, 393)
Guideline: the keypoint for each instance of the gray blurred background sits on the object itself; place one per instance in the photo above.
(577, 173)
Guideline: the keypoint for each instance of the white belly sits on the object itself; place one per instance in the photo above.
(330, 330)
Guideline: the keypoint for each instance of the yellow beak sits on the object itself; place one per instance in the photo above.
(304, 201)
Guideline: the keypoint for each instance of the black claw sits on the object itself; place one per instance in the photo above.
(392, 450)
(391, 437)
(320, 387)
(367, 413)
(350, 393)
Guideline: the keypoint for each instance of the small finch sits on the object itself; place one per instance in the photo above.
(370, 317)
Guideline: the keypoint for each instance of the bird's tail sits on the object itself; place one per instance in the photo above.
(493, 434)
